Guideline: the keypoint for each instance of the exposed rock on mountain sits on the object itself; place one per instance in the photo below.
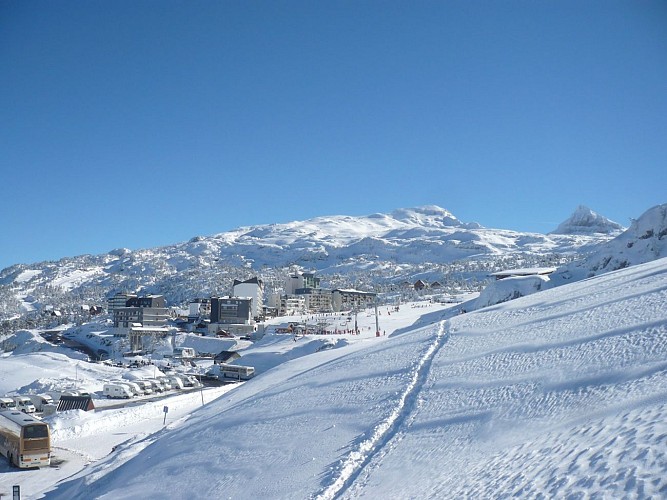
(585, 221)
(645, 240)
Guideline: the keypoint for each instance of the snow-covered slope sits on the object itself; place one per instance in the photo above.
(585, 221)
(562, 394)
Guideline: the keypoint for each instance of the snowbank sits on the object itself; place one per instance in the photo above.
(508, 289)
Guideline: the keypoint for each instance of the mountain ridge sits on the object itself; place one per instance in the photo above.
(366, 252)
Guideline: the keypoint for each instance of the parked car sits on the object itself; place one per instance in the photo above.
(24, 404)
(156, 385)
(145, 386)
(40, 401)
(134, 388)
(117, 391)
(7, 404)
(165, 383)
(176, 382)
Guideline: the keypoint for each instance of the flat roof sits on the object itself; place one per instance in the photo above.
(527, 271)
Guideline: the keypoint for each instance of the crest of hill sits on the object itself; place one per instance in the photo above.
(644, 241)
(586, 221)
(339, 230)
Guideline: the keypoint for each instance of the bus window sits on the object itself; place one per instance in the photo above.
(35, 431)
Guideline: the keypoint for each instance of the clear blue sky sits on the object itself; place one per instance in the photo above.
(143, 123)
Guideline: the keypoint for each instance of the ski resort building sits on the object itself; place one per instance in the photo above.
(231, 314)
(316, 300)
(254, 289)
(348, 300)
(199, 309)
(301, 280)
(141, 317)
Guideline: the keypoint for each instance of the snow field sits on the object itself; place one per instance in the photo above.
(593, 384)
(352, 465)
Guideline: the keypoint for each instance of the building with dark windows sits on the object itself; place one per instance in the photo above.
(348, 300)
(231, 310)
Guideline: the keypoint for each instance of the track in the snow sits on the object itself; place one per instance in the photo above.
(351, 466)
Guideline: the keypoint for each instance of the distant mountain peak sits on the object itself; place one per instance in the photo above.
(586, 221)
(431, 215)
(645, 240)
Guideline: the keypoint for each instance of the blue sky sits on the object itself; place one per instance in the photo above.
(140, 123)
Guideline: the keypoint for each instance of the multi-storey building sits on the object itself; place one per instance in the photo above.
(146, 301)
(301, 280)
(254, 289)
(317, 300)
(232, 310)
(149, 311)
(118, 300)
(288, 305)
(141, 317)
(199, 309)
(347, 300)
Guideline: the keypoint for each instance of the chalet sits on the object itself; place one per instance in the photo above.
(420, 285)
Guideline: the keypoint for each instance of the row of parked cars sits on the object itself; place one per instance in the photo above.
(126, 389)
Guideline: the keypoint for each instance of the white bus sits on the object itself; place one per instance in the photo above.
(24, 439)
(237, 372)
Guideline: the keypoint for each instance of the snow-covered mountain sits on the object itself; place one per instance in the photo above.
(645, 240)
(377, 250)
(557, 395)
(585, 221)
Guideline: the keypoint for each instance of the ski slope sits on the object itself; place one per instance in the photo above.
(559, 394)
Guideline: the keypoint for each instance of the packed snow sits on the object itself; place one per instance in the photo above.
(558, 394)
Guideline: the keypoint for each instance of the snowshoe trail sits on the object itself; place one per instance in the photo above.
(350, 467)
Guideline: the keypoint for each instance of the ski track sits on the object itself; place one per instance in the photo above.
(351, 467)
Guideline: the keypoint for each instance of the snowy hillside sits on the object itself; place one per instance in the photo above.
(378, 250)
(562, 394)
(645, 240)
(585, 221)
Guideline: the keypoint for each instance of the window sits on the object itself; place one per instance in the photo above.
(35, 431)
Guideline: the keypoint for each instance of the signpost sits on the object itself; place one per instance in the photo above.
(165, 410)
